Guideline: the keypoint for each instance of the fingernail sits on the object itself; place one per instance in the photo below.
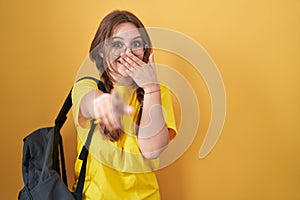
(130, 109)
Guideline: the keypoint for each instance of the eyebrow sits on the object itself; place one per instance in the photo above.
(118, 37)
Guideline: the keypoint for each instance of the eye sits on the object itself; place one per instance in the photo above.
(137, 44)
(117, 45)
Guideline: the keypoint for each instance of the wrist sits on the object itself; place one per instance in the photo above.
(151, 88)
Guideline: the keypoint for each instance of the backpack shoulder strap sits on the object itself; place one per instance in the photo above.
(84, 151)
(62, 115)
(59, 122)
(99, 83)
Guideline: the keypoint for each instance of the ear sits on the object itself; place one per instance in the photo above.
(100, 53)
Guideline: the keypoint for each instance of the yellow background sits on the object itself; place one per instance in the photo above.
(255, 44)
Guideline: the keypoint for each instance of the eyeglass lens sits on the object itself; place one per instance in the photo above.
(137, 47)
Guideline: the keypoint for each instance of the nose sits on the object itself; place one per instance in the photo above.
(127, 50)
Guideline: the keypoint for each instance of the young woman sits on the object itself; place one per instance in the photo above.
(136, 120)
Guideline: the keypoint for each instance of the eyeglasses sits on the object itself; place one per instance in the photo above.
(137, 47)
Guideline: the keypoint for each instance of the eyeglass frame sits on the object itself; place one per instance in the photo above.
(145, 46)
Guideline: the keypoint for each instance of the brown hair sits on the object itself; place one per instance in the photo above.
(104, 32)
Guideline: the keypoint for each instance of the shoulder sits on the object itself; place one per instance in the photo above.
(82, 87)
(86, 82)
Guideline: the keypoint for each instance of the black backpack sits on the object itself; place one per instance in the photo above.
(43, 164)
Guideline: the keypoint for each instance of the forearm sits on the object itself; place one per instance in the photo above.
(153, 135)
(87, 110)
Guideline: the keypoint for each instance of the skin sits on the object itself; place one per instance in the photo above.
(153, 136)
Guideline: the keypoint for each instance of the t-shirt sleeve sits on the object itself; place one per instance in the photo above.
(80, 89)
(168, 111)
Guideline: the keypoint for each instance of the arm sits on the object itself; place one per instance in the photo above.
(86, 109)
(153, 136)
(107, 108)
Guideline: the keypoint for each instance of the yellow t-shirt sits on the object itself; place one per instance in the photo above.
(118, 170)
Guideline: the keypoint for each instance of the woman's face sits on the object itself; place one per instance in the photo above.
(125, 38)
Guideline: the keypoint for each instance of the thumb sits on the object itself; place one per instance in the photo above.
(151, 59)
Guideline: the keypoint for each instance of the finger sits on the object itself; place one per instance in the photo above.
(136, 59)
(112, 122)
(131, 59)
(111, 116)
(119, 123)
(128, 109)
(104, 121)
(116, 97)
(104, 116)
(100, 98)
(126, 64)
(119, 105)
